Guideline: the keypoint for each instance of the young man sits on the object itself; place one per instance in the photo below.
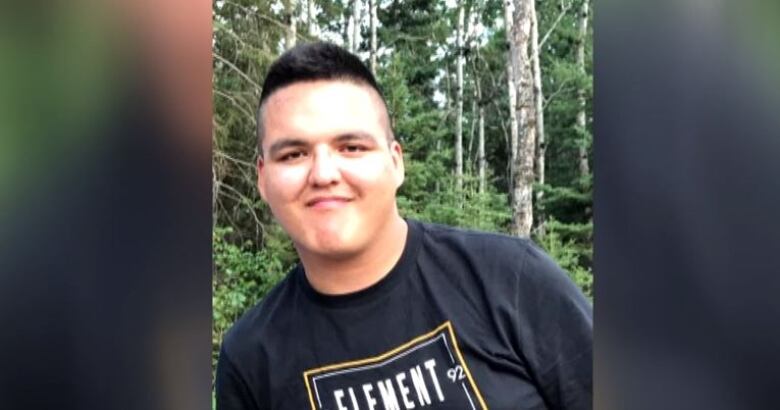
(382, 312)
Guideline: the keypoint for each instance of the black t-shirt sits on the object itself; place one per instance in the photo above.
(465, 320)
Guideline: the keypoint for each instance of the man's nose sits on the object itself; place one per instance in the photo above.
(325, 169)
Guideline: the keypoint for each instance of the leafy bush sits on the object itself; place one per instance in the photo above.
(570, 255)
(241, 277)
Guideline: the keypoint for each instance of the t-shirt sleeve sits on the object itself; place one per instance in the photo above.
(556, 332)
(231, 390)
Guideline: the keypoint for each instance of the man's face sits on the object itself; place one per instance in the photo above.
(328, 172)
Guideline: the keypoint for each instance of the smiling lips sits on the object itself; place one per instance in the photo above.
(327, 202)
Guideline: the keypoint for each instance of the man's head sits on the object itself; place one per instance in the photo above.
(329, 168)
(312, 62)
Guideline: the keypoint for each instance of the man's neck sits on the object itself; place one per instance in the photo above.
(336, 276)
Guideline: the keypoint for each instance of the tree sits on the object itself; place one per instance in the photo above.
(581, 124)
(459, 99)
(372, 25)
(481, 139)
(511, 81)
(292, 22)
(523, 179)
(354, 26)
(541, 148)
(311, 18)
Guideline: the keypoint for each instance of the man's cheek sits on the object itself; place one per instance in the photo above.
(366, 170)
(290, 178)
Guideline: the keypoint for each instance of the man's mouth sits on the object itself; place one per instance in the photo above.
(327, 202)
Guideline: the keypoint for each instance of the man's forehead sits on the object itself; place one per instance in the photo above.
(323, 97)
(324, 88)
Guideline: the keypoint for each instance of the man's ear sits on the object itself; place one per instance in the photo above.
(261, 176)
(397, 154)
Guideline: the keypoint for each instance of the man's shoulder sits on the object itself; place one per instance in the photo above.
(491, 256)
(491, 244)
(257, 323)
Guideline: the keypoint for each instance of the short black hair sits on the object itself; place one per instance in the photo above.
(311, 62)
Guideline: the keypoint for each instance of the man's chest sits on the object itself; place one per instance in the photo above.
(426, 367)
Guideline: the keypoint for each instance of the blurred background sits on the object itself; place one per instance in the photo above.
(105, 211)
(687, 188)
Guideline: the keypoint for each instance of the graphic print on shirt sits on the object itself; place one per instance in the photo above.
(428, 372)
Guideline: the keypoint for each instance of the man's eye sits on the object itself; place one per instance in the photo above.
(353, 148)
(290, 156)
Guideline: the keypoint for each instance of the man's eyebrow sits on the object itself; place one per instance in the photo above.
(354, 136)
(285, 143)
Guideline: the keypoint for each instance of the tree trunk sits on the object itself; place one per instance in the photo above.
(581, 122)
(355, 26)
(467, 37)
(459, 99)
(512, 92)
(472, 129)
(292, 24)
(480, 137)
(522, 209)
(373, 17)
(346, 33)
(541, 141)
(311, 18)
(350, 23)
(437, 184)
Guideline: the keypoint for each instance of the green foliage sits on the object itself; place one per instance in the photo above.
(241, 277)
(443, 204)
(569, 254)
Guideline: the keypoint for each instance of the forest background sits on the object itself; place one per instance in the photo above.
(491, 100)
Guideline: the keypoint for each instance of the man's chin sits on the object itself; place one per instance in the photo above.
(332, 245)
(332, 253)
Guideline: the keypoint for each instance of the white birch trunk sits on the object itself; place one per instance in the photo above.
(538, 95)
(355, 25)
(481, 141)
(512, 91)
(459, 97)
(292, 26)
(584, 168)
(522, 198)
(373, 17)
(311, 16)
(349, 28)
(467, 44)
(541, 141)
(346, 28)
(472, 129)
